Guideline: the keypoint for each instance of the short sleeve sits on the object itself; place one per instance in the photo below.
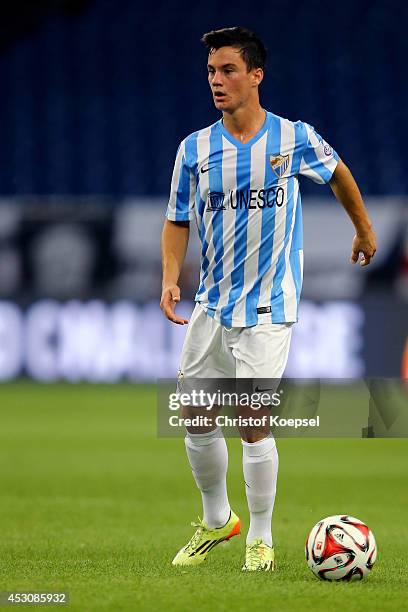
(319, 159)
(182, 191)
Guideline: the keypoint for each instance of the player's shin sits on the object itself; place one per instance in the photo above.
(260, 465)
(208, 457)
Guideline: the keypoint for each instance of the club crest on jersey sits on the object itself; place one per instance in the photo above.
(279, 164)
(215, 201)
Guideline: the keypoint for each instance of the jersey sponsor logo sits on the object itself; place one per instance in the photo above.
(246, 199)
(256, 198)
(279, 164)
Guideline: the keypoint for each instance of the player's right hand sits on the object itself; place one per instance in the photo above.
(170, 297)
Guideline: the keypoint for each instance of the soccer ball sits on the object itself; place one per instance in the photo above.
(341, 547)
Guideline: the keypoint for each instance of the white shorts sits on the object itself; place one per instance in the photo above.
(211, 350)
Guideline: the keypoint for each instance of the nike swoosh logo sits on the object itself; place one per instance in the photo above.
(206, 169)
(258, 390)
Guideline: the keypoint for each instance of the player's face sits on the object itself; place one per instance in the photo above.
(231, 83)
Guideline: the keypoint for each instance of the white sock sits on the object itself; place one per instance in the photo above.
(208, 456)
(260, 463)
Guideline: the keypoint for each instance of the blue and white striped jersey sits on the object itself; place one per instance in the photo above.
(245, 199)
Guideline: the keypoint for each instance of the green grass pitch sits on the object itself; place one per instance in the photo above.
(93, 503)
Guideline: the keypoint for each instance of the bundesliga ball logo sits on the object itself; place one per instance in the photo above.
(341, 547)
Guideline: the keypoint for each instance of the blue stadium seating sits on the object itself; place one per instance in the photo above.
(97, 101)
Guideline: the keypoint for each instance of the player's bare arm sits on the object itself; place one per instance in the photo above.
(347, 192)
(174, 247)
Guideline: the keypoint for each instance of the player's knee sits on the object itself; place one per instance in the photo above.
(198, 420)
(252, 436)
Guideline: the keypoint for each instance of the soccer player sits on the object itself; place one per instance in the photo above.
(238, 179)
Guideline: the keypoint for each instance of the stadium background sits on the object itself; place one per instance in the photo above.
(96, 96)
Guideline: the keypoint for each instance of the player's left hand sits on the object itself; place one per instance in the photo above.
(366, 244)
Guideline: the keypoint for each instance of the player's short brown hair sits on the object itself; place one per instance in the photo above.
(251, 48)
